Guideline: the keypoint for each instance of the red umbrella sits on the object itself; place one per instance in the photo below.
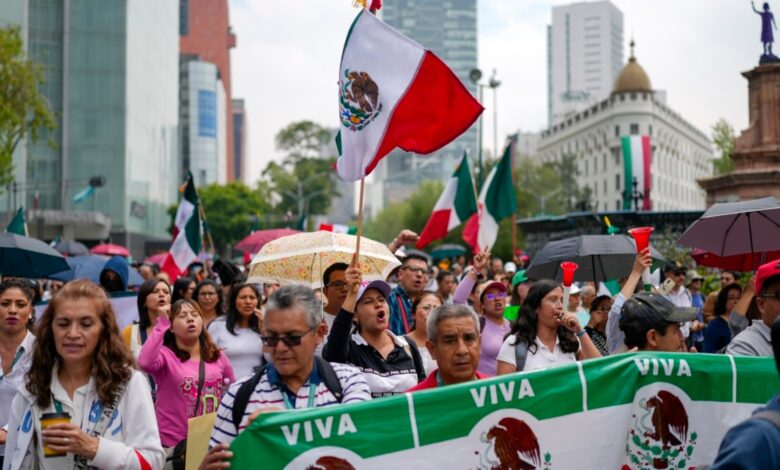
(256, 240)
(109, 250)
(156, 258)
(742, 263)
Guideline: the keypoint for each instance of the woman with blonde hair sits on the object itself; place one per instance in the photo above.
(81, 370)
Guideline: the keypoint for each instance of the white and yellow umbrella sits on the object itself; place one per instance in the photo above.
(303, 257)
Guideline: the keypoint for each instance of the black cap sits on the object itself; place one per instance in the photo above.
(644, 311)
(674, 266)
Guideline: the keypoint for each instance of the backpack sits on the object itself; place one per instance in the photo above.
(326, 372)
(521, 353)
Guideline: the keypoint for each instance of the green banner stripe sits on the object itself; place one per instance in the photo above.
(628, 172)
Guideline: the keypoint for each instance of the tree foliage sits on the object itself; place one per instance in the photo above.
(23, 110)
(724, 139)
(574, 197)
(303, 183)
(231, 211)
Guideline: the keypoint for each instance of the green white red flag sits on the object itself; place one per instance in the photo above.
(187, 233)
(455, 205)
(393, 93)
(637, 159)
(496, 202)
(339, 228)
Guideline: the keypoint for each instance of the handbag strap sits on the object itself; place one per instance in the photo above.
(201, 380)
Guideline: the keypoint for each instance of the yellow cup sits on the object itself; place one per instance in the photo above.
(50, 419)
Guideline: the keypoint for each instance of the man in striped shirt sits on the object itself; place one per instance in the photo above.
(293, 330)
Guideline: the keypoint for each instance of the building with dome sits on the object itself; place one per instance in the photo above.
(679, 152)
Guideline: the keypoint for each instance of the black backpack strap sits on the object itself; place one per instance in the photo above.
(243, 393)
(482, 321)
(329, 378)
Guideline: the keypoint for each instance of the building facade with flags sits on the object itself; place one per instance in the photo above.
(633, 136)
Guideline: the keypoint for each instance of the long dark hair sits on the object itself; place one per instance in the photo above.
(27, 291)
(147, 289)
(525, 327)
(112, 362)
(208, 350)
(180, 286)
(723, 298)
(217, 287)
(232, 317)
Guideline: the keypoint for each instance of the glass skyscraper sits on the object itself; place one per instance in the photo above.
(111, 78)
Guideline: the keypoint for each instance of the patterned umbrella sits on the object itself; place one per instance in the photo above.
(109, 249)
(302, 258)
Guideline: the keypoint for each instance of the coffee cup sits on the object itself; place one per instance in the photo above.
(50, 419)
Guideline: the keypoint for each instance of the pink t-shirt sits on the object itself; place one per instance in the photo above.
(177, 384)
(492, 339)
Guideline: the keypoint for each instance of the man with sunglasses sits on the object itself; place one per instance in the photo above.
(334, 286)
(294, 379)
(756, 339)
(412, 279)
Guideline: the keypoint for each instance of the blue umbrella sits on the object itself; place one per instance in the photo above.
(89, 267)
(448, 250)
(22, 256)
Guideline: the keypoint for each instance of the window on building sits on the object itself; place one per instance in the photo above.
(650, 130)
(184, 16)
(604, 162)
(587, 168)
(634, 129)
(617, 205)
(617, 182)
(617, 131)
(605, 186)
(207, 113)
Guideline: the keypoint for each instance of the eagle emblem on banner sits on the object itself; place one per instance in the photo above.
(359, 102)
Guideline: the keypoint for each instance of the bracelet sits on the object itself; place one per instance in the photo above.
(581, 333)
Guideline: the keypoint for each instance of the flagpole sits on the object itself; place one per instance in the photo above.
(360, 216)
(514, 224)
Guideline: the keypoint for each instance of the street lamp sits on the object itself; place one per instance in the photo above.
(636, 195)
(494, 83)
(475, 76)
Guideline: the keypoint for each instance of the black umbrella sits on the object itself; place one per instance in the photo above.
(72, 248)
(737, 228)
(28, 257)
(600, 258)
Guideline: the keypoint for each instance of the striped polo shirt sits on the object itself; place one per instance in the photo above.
(268, 394)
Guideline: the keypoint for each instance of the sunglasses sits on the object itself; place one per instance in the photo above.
(289, 340)
(499, 295)
(771, 295)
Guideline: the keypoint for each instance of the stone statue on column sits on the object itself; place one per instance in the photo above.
(768, 26)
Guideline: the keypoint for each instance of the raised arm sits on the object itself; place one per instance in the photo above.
(615, 337)
(337, 347)
(151, 360)
(405, 237)
(466, 285)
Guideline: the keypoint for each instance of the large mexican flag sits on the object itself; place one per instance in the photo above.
(455, 205)
(394, 94)
(187, 233)
(629, 411)
(637, 159)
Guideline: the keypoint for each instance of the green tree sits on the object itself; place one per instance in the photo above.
(303, 184)
(574, 197)
(231, 210)
(303, 139)
(538, 188)
(724, 139)
(23, 110)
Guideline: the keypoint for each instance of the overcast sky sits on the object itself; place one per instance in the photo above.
(286, 62)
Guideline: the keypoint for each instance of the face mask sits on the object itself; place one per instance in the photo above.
(112, 285)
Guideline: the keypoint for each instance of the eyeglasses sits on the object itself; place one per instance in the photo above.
(289, 340)
(337, 284)
(771, 295)
(498, 295)
(207, 294)
(416, 270)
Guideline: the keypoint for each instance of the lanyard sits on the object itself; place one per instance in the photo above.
(57, 405)
(439, 381)
(403, 312)
(291, 406)
(17, 356)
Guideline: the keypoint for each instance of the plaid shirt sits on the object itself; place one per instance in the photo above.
(400, 303)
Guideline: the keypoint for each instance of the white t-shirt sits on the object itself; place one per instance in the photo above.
(540, 358)
(244, 349)
(682, 298)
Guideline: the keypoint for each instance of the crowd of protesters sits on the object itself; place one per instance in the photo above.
(81, 394)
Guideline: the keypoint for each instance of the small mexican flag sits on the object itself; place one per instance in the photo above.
(636, 164)
(338, 228)
(187, 237)
(496, 202)
(394, 93)
(456, 204)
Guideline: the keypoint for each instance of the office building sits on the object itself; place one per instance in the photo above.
(240, 141)
(584, 56)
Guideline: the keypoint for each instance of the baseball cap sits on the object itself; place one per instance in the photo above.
(519, 278)
(692, 275)
(491, 285)
(674, 266)
(574, 290)
(381, 286)
(766, 271)
(645, 310)
(510, 267)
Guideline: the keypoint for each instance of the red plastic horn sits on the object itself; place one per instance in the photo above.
(641, 236)
(568, 268)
